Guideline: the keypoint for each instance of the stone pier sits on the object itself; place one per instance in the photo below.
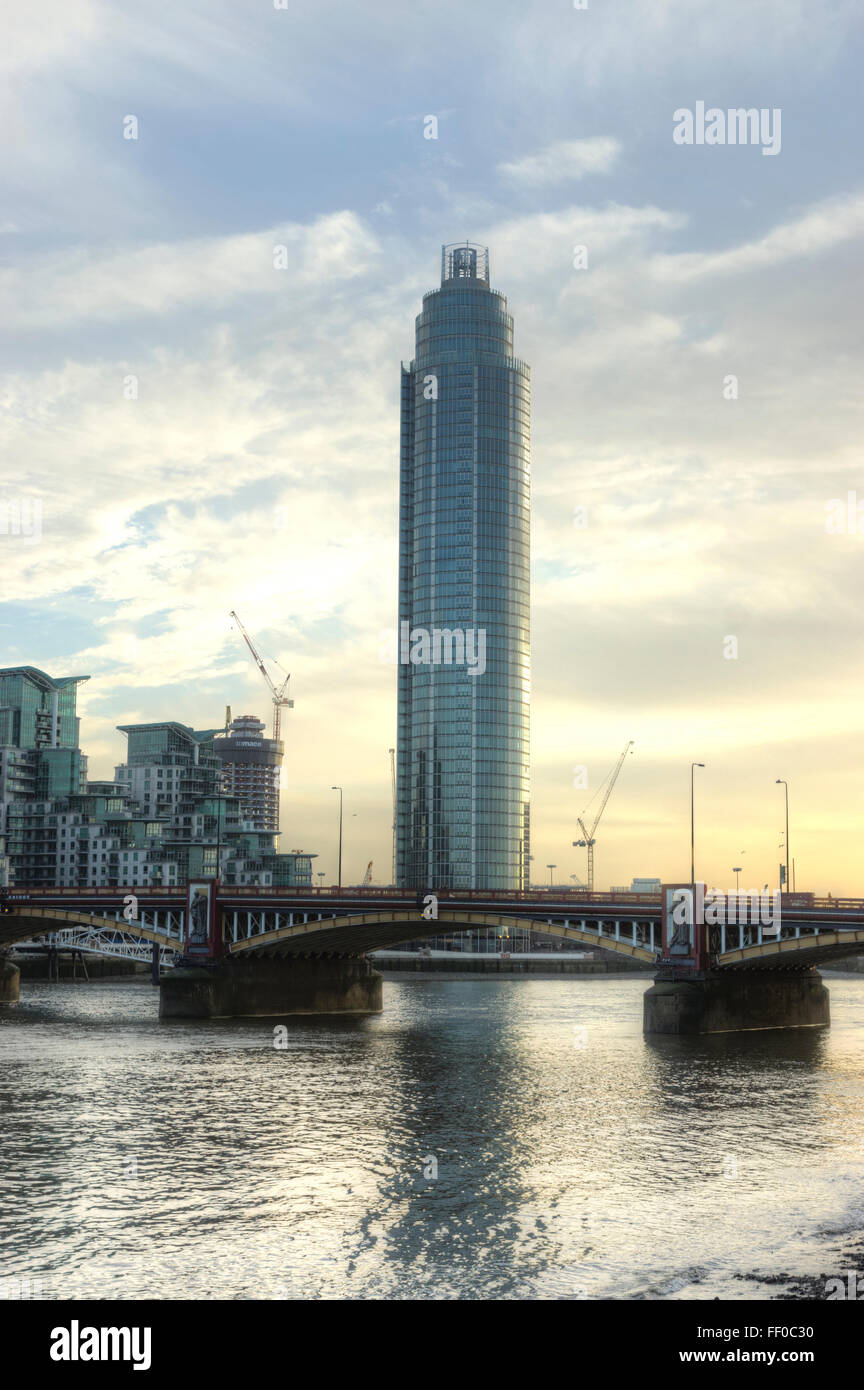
(270, 986)
(735, 1002)
(10, 977)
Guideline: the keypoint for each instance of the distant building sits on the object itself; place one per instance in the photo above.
(165, 817)
(38, 711)
(640, 885)
(175, 774)
(251, 767)
(39, 752)
(39, 760)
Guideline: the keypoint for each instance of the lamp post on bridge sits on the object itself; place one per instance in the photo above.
(785, 785)
(550, 867)
(339, 790)
(693, 767)
(221, 786)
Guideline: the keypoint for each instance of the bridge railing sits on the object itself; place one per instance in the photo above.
(233, 890)
(461, 895)
(577, 898)
(99, 891)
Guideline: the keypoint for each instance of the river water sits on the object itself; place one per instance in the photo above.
(505, 1138)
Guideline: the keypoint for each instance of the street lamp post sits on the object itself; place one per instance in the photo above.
(736, 872)
(550, 867)
(785, 785)
(219, 812)
(693, 767)
(339, 876)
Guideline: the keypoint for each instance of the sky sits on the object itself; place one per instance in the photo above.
(189, 429)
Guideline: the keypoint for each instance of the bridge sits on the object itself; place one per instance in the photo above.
(277, 951)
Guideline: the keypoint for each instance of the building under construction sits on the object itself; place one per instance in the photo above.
(251, 767)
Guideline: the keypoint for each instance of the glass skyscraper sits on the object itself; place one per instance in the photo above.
(462, 818)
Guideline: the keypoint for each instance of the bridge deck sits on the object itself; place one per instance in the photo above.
(322, 926)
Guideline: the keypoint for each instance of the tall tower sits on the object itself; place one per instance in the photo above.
(251, 765)
(463, 773)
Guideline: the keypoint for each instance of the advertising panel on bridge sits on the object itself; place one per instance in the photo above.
(201, 939)
(683, 925)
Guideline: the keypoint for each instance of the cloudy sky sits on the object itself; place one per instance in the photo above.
(256, 469)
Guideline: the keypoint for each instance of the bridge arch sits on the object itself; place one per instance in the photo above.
(28, 921)
(361, 933)
(796, 952)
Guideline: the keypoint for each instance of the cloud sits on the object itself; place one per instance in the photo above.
(161, 279)
(820, 229)
(257, 469)
(563, 162)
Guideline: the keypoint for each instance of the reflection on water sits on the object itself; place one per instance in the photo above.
(573, 1157)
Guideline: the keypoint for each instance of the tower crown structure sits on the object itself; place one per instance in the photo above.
(462, 260)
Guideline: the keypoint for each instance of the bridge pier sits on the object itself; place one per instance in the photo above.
(736, 1001)
(270, 986)
(10, 979)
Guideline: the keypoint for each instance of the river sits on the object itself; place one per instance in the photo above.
(489, 1138)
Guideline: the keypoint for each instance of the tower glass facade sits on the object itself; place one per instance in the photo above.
(464, 640)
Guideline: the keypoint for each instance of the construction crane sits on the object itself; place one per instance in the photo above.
(280, 701)
(367, 877)
(588, 836)
(393, 785)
